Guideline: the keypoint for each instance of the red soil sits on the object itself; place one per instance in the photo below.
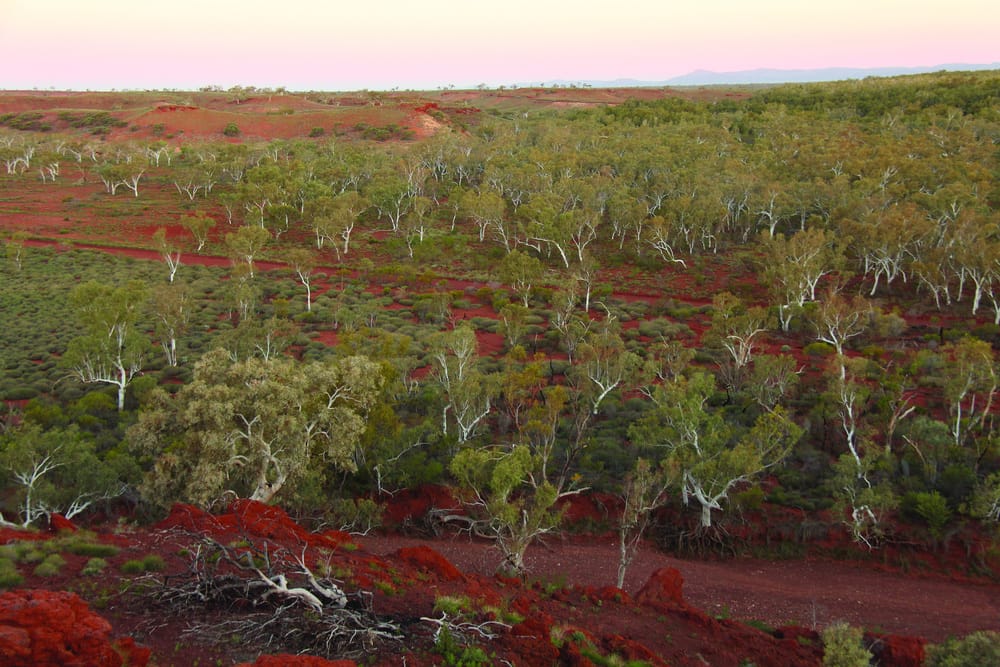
(568, 591)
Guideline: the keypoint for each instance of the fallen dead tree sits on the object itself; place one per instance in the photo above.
(276, 601)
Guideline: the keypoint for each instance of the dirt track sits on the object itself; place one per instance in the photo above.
(812, 593)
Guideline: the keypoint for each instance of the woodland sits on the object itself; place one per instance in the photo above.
(742, 322)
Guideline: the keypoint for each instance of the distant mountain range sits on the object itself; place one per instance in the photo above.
(766, 76)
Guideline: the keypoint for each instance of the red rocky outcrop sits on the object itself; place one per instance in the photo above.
(56, 628)
(429, 561)
(896, 651)
(664, 588)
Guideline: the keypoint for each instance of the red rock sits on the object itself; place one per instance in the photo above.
(59, 523)
(413, 504)
(665, 587)
(57, 629)
(530, 641)
(135, 655)
(428, 560)
(897, 651)
(631, 650)
(189, 517)
(286, 660)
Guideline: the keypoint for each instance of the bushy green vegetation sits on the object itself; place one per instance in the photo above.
(843, 647)
(978, 648)
(150, 563)
(720, 288)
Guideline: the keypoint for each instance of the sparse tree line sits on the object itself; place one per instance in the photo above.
(833, 208)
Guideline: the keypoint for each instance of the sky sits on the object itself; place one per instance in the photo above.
(429, 44)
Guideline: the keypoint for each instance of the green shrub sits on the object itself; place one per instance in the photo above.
(50, 566)
(931, 507)
(150, 563)
(842, 647)
(356, 515)
(94, 567)
(18, 394)
(9, 576)
(28, 552)
(91, 549)
(317, 132)
(819, 349)
(452, 605)
(232, 130)
(454, 654)
(975, 650)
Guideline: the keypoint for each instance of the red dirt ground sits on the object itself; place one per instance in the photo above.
(811, 593)
(568, 587)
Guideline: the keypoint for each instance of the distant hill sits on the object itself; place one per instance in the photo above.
(766, 76)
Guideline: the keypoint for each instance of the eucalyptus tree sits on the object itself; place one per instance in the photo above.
(391, 194)
(170, 306)
(168, 250)
(246, 243)
(50, 471)
(111, 350)
(837, 319)
(602, 364)
(712, 456)
(303, 263)
(469, 393)
(521, 271)
(736, 329)
(888, 241)
(487, 209)
(200, 224)
(793, 266)
(969, 381)
(254, 427)
(14, 248)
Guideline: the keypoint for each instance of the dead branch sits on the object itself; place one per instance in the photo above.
(462, 631)
(277, 600)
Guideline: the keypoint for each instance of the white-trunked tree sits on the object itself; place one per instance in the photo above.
(255, 427)
(112, 350)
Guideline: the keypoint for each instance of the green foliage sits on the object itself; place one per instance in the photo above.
(92, 120)
(843, 647)
(452, 606)
(455, 654)
(54, 470)
(712, 454)
(986, 503)
(9, 575)
(863, 496)
(150, 563)
(94, 567)
(254, 425)
(819, 349)
(355, 515)
(516, 506)
(931, 507)
(51, 566)
(975, 650)
(88, 548)
(231, 130)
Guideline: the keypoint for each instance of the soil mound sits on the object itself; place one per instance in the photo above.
(41, 628)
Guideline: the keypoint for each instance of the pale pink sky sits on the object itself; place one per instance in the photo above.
(428, 44)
